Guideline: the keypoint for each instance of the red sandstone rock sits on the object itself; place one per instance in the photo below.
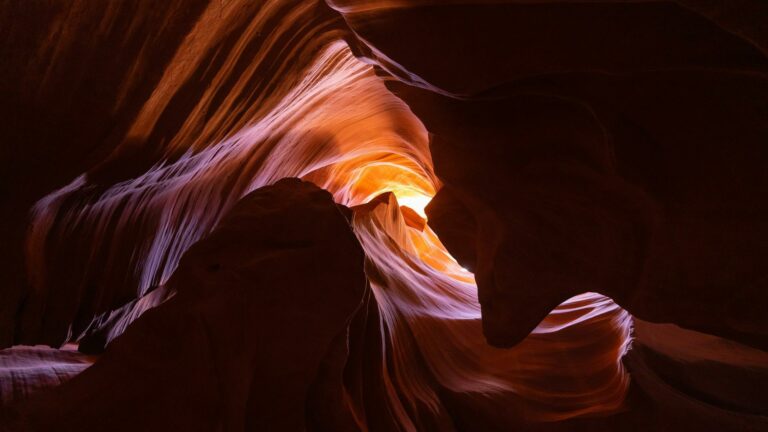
(609, 145)
(26, 370)
(262, 307)
(592, 147)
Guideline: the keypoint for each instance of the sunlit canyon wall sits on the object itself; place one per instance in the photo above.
(145, 125)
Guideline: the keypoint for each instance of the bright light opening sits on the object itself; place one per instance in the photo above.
(415, 201)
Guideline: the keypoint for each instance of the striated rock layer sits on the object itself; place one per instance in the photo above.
(250, 99)
(26, 370)
(253, 337)
(607, 146)
(577, 147)
(567, 367)
(270, 326)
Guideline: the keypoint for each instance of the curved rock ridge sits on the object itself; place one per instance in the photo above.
(342, 359)
(610, 153)
(310, 133)
(357, 154)
(698, 380)
(255, 335)
(474, 46)
(217, 75)
(377, 147)
(571, 148)
(568, 366)
(253, 93)
(26, 370)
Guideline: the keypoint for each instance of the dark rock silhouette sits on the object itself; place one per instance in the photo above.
(593, 147)
(260, 314)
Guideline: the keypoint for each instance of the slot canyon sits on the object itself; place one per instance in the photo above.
(384, 215)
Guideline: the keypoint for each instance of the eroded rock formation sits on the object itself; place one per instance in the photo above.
(245, 340)
(612, 152)
(567, 148)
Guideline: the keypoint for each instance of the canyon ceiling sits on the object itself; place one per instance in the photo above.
(384, 215)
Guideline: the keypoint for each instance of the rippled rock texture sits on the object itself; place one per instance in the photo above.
(254, 337)
(25, 370)
(621, 150)
(581, 163)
